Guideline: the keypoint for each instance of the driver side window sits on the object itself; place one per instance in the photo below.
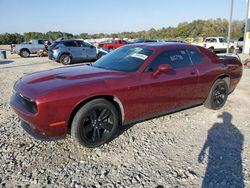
(175, 58)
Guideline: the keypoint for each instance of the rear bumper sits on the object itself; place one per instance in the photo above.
(36, 135)
(53, 56)
(50, 56)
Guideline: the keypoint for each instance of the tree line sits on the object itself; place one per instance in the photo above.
(196, 28)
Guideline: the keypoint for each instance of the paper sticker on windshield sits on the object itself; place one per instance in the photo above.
(140, 56)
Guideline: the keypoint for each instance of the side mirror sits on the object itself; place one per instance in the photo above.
(162, 68)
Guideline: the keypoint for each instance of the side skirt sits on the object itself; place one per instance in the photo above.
(159, 114)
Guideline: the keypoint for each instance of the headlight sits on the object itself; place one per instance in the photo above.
(27, 103)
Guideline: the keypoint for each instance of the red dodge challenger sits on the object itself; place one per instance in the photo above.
(131, 84)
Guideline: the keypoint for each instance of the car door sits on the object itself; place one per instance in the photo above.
(37, 45)
(74, 49)
(171, 90)
(222, 44)
(91, 51)
(88, 51)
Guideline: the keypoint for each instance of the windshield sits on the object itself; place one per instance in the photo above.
(126, 59)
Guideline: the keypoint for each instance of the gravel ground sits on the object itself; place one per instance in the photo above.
(192, 148)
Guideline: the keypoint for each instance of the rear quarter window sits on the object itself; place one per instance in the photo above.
(209, 55)
(196, 56)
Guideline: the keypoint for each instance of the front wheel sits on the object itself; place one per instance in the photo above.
(65, 59)
(218, 95)
(95, 123)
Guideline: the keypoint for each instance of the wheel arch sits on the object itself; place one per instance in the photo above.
(114, 100)
(223, 77)
(65, 53)
(25, 49)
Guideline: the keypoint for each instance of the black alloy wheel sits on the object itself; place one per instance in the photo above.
(218, 95)
(95, 123)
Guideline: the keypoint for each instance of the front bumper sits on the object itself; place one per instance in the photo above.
(36, 135)
(41, 124)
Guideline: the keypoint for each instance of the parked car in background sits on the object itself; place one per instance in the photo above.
(240, 43)
(217, 44)
(133, 83)
(101, 51)
(68, 51)
(28, 47)
(114, 44)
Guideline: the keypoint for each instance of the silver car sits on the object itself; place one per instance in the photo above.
(68, 51)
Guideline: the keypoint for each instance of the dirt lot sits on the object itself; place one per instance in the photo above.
(192, 148)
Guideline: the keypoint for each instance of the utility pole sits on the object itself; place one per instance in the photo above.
(246, 48)
(230, 25)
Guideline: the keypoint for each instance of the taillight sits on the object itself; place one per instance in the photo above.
(13, 45)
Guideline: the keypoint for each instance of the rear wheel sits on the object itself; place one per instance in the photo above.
(65, 59)
(25, 53)
(218, 95)
(211, 49)
(95, 123)
(231, 49)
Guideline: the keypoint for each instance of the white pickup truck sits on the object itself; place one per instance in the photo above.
(217, 44)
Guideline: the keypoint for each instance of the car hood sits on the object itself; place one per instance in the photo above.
(41, 82)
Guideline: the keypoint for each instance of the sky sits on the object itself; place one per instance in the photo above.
(109, 16)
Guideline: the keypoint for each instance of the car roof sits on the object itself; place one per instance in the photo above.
(69, 40)
(155, 45)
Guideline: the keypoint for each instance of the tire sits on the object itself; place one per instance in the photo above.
(231, 49)
(65, 59)
(211, 49)
(95, 123)
(218, 95)
(24, 53)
